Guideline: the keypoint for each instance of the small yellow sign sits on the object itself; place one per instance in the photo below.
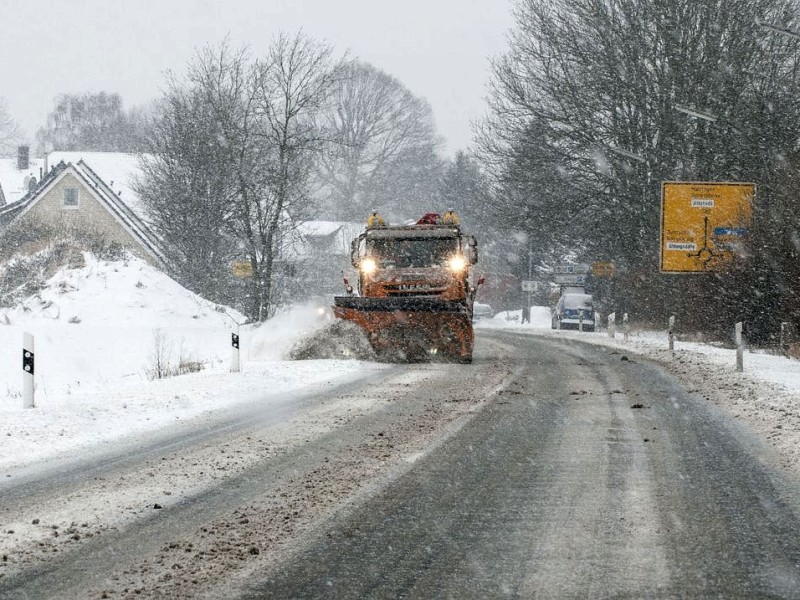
(703, 224)
(603, 269)
(242, 268)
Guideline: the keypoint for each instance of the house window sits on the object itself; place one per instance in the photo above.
(71, 197)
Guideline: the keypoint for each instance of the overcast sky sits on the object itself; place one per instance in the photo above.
(440, 49)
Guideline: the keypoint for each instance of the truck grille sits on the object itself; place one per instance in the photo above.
(414, 289)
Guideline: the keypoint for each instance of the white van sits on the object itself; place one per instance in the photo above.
(569, 310)
(481, 311)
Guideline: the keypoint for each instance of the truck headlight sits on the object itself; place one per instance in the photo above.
(368, 266)
(457, 263)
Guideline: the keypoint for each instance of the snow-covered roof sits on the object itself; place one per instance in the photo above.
(116, 169)
(14, 181)
(107, 196)
(339, 235)
(321, 227)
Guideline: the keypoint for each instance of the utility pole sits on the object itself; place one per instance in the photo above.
(530, 267)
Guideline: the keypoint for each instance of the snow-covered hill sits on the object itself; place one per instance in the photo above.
(97, 329)
(103, 322)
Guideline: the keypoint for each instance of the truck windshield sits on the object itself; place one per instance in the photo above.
(402, 253)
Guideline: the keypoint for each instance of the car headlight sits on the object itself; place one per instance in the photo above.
(368, 266)
(457, 263)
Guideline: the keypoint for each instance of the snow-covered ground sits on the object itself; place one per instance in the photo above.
(99, 328)
(97, 332)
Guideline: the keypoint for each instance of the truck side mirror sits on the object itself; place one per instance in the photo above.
(472, 249)
(354, 252)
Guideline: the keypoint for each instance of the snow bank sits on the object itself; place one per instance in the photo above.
(540, 319)
(96, 331)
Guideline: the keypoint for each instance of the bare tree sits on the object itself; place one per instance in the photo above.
(92, 121)
(292, 84)
(10, 134)
(187, 189)
(585, 123)
(237, 140)
(383, 140)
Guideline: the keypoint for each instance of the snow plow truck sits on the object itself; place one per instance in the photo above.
(414, 299)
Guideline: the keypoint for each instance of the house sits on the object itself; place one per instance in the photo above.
(103, 201)
(325, 247)
(117, 169)
(72, 196)
(18, 175)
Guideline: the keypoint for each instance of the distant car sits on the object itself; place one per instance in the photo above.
(481, 311)
(570, 309)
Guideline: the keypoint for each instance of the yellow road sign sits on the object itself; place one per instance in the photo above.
(703, 224)
(602, 269)
(242, 268)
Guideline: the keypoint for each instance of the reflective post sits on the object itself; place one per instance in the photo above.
(671, 332)
(625, 326)
(739, 347)
(27, 370)
(235, 366)
(785, 338)
(612, 325)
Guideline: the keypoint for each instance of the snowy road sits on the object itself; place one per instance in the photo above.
(184, 515)
(589, 477)
(548, 468)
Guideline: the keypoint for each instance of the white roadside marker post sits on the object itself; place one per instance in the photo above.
(785, 338)
(235, 365)
(580, 320)
(626, 330)
(27, 370)
(671, 332)
(739, 347)
(612, 325)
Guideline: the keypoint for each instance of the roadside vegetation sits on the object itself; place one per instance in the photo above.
(595, 103)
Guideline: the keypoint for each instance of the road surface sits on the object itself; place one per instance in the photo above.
(549, 468)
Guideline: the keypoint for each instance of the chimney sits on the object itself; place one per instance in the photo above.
(22, 158)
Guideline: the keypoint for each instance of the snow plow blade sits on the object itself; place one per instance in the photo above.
(412, 329)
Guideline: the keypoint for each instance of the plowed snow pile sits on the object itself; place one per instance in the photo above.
(339, 340)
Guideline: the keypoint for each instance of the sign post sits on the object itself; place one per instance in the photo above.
(27, 370)
(569, 279)
(571, 274)
(242, 269)
(703, 224)
(579, 269)
(603, 269)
